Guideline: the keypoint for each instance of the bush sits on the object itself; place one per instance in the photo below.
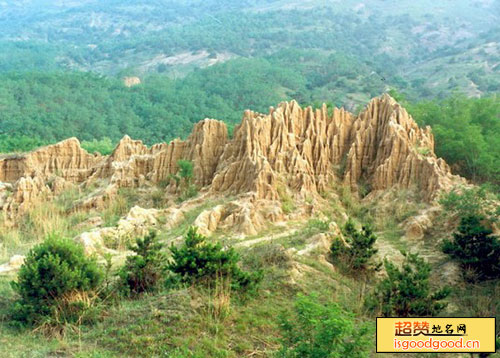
(103, 146)
(475, 247)
(322, 330)
(143, 271)
(190, 191)
(184, 178)
(185, 169)
(357, 251)
(476, 201)
(287, 202)
(315, 226)
(406, 292)
(56, 279)
(267, 256)
(198, 261)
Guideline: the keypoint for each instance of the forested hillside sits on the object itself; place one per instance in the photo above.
(40, 109)
(452, 42)
(287, 236)
(62, 64)
(467, 133)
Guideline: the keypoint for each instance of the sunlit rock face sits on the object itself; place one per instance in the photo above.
(307, 150)
(300, 152)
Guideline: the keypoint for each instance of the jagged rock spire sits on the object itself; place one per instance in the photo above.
(303, 150)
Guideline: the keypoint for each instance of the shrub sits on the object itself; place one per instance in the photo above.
(357, 251)
(322, 330)
(475, 247)
(198, 261)
(406, 292)
(287, 202)
(55, 280)
(190, 191)
(476, 201)
(184, 178)
(315, 226)
(158, 198)
(103, 146)
(185, 169)
(268, 255)
(143, 271)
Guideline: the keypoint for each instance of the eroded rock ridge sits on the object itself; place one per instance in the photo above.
(293, 151)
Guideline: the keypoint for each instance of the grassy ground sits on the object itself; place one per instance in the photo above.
(184, 322)
(180, 323)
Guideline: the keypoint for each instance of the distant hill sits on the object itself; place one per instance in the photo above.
(149, 36)
(62, 64)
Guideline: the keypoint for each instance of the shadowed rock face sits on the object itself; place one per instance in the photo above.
(305, 151)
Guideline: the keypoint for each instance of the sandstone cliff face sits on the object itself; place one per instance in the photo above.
(388, 148)
(38, 174)
(309, 150)
(290, 146)
(65, 159)
(291, 150)
(132, 163)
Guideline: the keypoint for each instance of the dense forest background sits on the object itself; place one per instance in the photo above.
(62, 65)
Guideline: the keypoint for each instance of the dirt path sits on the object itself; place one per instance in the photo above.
(253, 242)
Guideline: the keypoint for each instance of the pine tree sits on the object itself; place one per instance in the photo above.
(358, 250)
(406, 292)
(475, 247)
(143, 271)
(199, 261)
(51, 272)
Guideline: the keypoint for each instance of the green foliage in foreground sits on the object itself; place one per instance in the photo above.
(358, 250)
(323, 330)
(406, 291)
(200, 261)
(54, 273)
(474, 246)
(143, 271)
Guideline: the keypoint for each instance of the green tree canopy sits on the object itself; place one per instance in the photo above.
(406, 291)
(474, 246)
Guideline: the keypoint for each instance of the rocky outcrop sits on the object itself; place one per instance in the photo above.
(13, 265)
(133, 164)
(42, 172)
(388, 148)
(48, 170)
(65, 159)
(208, 221)
(292, 146)
(417, 226)
(131, 81)
(310, 150)
(290, 153)
(135, 224)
